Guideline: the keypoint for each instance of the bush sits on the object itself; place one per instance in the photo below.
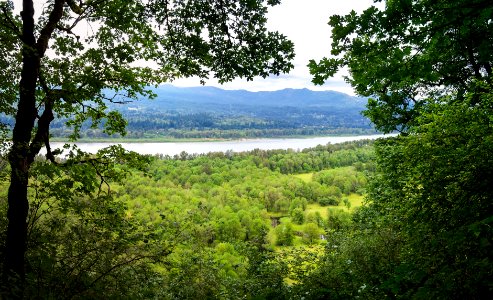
(297, 216)
(331, 200)
(284, 234)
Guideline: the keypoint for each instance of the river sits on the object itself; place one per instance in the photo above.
(170, 148)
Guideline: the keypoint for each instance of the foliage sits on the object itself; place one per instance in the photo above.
(297, 216)
(311, 233)
(284, 234)
(75, 58)
(209, 203)
(409, 53)
(338, 219)
(448, 164)
(355, 265)
(320, 157)
(193, 226)
(316, 218)
(428, 67)
(77, 228)
(347, 180)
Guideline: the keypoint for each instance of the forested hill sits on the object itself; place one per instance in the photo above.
(209, 112)
(212, 99)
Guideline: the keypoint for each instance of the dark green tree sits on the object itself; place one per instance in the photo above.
(79, 56)
(409, 54)
(427, 66)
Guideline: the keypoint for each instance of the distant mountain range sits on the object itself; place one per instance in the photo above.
(206, 99)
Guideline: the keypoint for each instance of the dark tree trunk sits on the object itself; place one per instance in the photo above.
(20, 159)
(24, 147)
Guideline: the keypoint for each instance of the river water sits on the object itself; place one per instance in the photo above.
(170, 148)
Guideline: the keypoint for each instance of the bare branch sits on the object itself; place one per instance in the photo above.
(68, 30)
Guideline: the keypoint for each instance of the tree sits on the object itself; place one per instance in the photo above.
(80, 56)
(409, 54)
(441, 206)
(427, 66)
(284, 234)
(297, 215)
(311, 233)
(338, 219)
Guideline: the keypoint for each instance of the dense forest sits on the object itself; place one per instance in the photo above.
(221, 225)
(405, 217)
(276, 224)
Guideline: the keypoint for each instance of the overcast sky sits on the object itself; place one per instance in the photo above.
(305, 23)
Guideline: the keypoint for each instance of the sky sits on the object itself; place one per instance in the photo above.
(305, 23)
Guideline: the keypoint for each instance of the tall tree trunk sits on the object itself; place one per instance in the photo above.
(22, 153)
(20, 158)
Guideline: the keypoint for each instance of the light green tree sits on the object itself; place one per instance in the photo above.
(284, 234)
(298, 216)
(311, 233)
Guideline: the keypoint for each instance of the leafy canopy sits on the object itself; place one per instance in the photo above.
(74, 58)
(409, 53)
(427, 66)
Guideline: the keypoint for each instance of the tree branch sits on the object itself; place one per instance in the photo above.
(10, 24)
(102, 177)
(74, 7)
(68, 30)
(43, 131)
(53, 20)
(109, 271)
